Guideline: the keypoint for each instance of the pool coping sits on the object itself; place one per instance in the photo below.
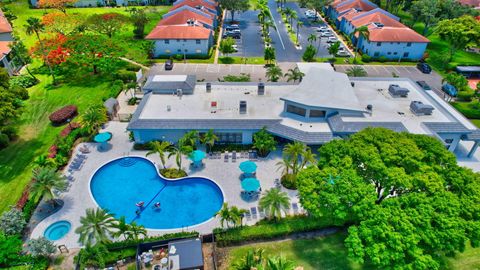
(162, 177)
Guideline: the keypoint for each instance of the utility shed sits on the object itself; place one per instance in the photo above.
(170, 84)
(112, 106)
(185, 254)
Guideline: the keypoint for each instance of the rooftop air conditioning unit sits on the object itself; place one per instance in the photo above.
(419, 108)
(179, 92)
(209, 87)
(397, 91)
(243, 107)
(261, 89)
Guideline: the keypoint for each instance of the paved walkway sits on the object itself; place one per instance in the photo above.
(134, 63)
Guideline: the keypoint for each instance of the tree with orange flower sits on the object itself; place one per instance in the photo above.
(107, 23)
(56, 4)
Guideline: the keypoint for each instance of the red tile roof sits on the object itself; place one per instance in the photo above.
(194, 3)
(377, 17)
(394, 34)
(358, 4)
(179, 32)
(183, 16)
(350, 14)
(4, 48)
(5, 26)
(472, 3)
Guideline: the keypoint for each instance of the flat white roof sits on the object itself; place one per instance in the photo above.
(169, 78)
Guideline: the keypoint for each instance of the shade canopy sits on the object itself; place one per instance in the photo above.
(197, 155)
(248, 166)
(102, 137)
(250, 184)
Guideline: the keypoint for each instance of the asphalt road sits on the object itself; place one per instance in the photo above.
(251, 43)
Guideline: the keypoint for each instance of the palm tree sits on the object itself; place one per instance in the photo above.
(293, 16)
(274, 73)
(93, 118)
(190, 138)
(252, 260)
(288, 12)
(267, 25)
(294, 152)
(280, 263)
(123, 228)
(362, 32)
(236, 215)
(209, 139)
(96, 226)
(294, 75)
(160, 148)
(312, 38)
(224, 215)
(299, 24)
(308, 157)
(274, 202)
(263, 14)
(356, 71)
(45, 181)
(284, 165)
(135, 231)
(35, 26)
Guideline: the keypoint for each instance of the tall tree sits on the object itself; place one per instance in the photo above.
(135, 231)
(425, 11)
(96, 227)
(460, 33)
(45, 181)
(269, 54)
(309, 54)
(363, 33)
(139, 19)
(209, 139)
(264, 142)
(61, 23)
(107, 23)
(275, 202)
(226, 46)
(57, 4)
(234, 6)
(35, 26)
(21, 56)
(160, 148)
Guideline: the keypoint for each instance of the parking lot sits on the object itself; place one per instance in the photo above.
(432, 79)
(250, 44)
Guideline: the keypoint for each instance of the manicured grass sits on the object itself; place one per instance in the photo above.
(476, 122)
(241, 60)
(313, 254)
(468, 260)
(134, 49)
(36, 133)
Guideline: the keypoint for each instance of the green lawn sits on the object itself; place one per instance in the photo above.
(329, 253)
(35, 132)
(241, 60)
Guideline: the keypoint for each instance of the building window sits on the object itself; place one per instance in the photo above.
(317, 113)
(398, 42)
(391, 42)
(178, 40)
(409, 44)
(198, 51)
(376, 54)
(296, 110)
(167, 41)
(449, 141)
(394, 53)
(229, 137)
(168, 51)
(198, 41)
(179, 50)
(389, 53)
(184, 40)
(379, 44)
(405, 54)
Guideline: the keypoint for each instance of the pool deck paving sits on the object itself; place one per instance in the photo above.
(226, 174)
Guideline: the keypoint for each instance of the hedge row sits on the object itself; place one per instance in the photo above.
(265, 230)
(467, 110)
(133, 243)
(62, 115)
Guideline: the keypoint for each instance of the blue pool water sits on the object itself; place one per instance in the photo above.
(120, 184)
(57, 230)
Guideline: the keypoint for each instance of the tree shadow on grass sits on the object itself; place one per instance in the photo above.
(226, 60)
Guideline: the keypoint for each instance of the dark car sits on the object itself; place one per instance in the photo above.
(169, 64)
(235, 35)
(449, 89)
(424, 85)
(424, 68)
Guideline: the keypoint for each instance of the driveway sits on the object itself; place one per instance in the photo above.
(433, 79)
(250, 44)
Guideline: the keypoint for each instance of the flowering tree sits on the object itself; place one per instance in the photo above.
(61, 23)
(53, 51)
(107, 23)
(56, 4)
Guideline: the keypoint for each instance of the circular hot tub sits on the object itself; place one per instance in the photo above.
(57, 230)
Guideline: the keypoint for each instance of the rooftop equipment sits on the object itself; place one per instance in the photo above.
(419, 108)
(209, 87)
(243, 107)
(261, 89)
(397, 91)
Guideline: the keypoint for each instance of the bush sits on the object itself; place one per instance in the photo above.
(382, 59)
(4, 140)
(12, 222)
(243, 77)
(366, 58)
(173, 173)
(467, 110)
(10, 131)
(133, 243)
(132, 101)
(142, 146)
(126, 76)
(266, 230)
(60, 116)
(289, 181)
(23, 81)
(116, 88)
(465, 95)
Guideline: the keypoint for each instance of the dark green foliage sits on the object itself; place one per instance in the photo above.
(366, 58)
(382, 59)
(4, 140)
(267, 230)
(23, 81)
(125, 76)
(264, 142)
(309, 54)
(243, 77)
(465, 95)
(467, 109)
(289, 181)
(134, 243)
(173, 173)
(132, 101)
(92, 257)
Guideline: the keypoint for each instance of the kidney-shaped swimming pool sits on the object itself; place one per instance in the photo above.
(120, 184)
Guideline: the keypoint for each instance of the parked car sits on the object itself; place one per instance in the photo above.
(343, 53)
(424, 68)
(424, 85)
(332, 40)
(309, 12)
(232, 27)
(449, 89)
(323, 29)
(169, 64)
(312, 17)
(326, 34)
(235, 35)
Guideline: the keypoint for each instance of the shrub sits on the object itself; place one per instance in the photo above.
(132, 101)
(289, 181)
(23, 81)
(231, 147)
(10, 131)
(265, 229)
(126, 76)
(23, 200)
(133, 243)
(173, 173)
(243, 77)
(366, 58)
(382, 59)
(29, 208)
(12, 222)
(467, 110)
(4, 140)
(52, 151)
(68, 129)
(465, 95)
(142, 146)
(60, 116)
(115, 89)
(40, 247)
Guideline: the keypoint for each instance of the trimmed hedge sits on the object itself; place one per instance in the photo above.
(267, 229)
(60, 116)
(467, 109)
(132, 243)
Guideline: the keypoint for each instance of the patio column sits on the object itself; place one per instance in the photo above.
(474, 148)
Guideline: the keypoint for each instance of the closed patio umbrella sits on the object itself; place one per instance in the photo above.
(197, 156)
(248, 166)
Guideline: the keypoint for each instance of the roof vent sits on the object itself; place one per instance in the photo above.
(179, 92)
(419, 108)
(209, 87)
(397, 91)
(243, 107)
(369, 107)
(379, 25)
(169, 108)
(198, 6)
(352, 84)
(261, 89)
(190, 22)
